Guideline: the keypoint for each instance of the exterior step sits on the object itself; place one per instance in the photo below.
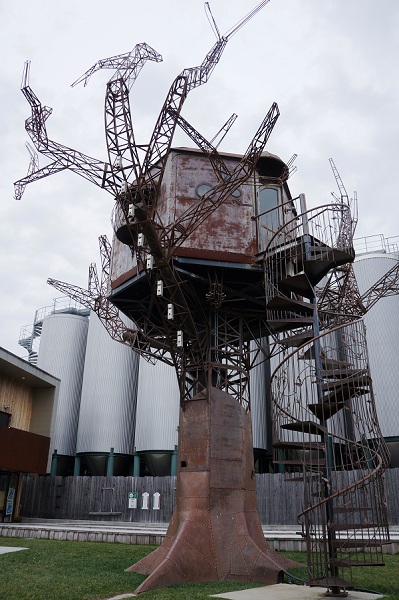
(297, 284)
(327, 363)
(279, 325)
(325, 410)
(299, 445)
(356, 381)
(331, 582)
(356, 543)
(349, 509)
(305, 427)
(296, 476)
(297, 462)
(346, 562)
(316, 269)
(296, 340)
(344, 393)
(350, 526)
(334, 255)
(343, 373)
(282, 303)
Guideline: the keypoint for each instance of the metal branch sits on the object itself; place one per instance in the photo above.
(218, 164)
(33, 167)
(122, 150)
(109, 317)
(127, 65)
(155, 159)
(20, 185)
(105, 253)
(387, 285)
(67, 158)
(224, 130)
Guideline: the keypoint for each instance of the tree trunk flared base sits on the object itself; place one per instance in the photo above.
(215, 533)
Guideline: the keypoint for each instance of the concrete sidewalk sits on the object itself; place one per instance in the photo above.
(282, 591)
(7, 549)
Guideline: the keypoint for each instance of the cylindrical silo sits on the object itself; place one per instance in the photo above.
(62, 353)
(105, 440)
(158, 402)
(382, 325)
(260, 412)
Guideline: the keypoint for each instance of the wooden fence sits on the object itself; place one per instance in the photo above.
(279, 501)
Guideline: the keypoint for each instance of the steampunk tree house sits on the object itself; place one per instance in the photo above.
(211, 257)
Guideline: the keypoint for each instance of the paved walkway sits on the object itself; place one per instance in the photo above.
(7, 549)
(282, 591)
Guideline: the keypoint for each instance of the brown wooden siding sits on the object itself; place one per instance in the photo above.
(18, 398)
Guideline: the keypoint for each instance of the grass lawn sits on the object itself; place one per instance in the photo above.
(58, 570)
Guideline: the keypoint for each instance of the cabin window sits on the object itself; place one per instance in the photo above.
(202, 189)
(268, 200)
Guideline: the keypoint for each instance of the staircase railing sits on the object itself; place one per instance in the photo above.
(325, 426)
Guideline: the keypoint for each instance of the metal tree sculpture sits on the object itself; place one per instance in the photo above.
(211, 272)
(183, 318)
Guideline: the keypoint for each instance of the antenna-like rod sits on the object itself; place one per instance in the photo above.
(211, 20)
(245, 19)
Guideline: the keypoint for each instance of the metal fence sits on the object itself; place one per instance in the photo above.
(152, 499)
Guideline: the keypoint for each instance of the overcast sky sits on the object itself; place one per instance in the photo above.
(331, 66)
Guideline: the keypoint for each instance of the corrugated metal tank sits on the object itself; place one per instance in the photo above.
(62, 353)
(109, 392)
(260, 405)
(158, 403)
(382, 324)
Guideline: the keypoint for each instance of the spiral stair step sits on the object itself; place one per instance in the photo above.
(297, 284)
(350, 526)
(280, 325)
(345, 393)
(330, 582)
(283, 303)
(325, 410)
(301, 462)
(294, 341)
(327, 363)
(305, 427)
(359, 381)
(343, 373)
(345, 562)
(348, 543)
(353, 509)
(298, 445)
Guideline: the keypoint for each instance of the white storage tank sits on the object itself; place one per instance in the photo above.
(62, 353)
(261, 413)
(382, 325)
(158, 404)
(108, 404)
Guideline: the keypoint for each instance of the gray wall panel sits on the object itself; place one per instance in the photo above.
(157, 407)
(259, 385)
(62, 353)
(382, 323)
(109, 391)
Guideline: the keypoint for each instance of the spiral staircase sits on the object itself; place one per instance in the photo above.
(325, 427)
(28, 339)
